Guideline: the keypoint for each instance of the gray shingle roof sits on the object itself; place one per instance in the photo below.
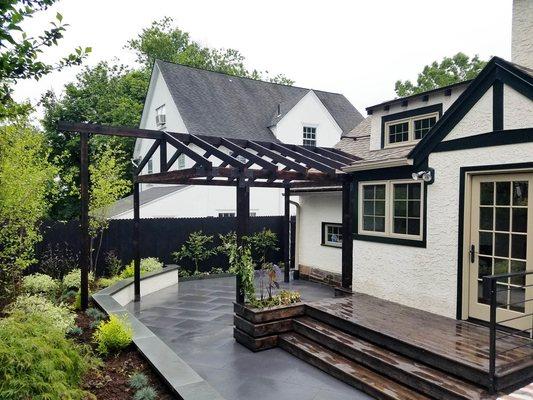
(213, 103)
(146, 196)
(357, 142)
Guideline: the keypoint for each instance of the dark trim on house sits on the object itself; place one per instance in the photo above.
(323, 234)
(415, 96)
(460, 231)
(497, 106)
(489, 139)
(388, 174)
(407, 114)
(497, 70)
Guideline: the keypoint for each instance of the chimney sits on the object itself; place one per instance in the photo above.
(522, 34)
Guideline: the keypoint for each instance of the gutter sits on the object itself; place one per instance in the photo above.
(364, 166)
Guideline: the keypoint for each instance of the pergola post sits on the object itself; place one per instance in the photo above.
(286, 234)
(136, 244)
(347, 234)
(85, 261)
(243, 218)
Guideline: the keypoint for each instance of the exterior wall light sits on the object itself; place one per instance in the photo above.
(427, 176)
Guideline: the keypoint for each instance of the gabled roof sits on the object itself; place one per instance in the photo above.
(497, 69)
(146, 196)
(214, 103)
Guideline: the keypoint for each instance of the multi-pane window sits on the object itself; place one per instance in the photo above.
(309, 136)
(373, 212)
(391, 208)
(409, 130)
(406, 208)
(332, 234)
(399, 132)
(181, 161)
(226, 214)
(423, 125)
(150, 167)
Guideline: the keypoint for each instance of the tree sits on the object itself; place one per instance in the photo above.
(103, 94)
(450, 70)
(106, 187)
(26, 178)
(20, 54)
(166, 42)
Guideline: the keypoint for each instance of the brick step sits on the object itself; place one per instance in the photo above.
(430, 381)
(346, 370)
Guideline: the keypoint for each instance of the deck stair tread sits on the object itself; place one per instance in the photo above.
(403, 369)
(458, 341)
(346, 369)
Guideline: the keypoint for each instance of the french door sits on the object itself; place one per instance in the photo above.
(501, 232)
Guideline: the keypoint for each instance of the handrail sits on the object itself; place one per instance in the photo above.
(490, 293)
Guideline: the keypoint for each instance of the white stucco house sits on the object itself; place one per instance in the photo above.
(189, 100)
(442, 193)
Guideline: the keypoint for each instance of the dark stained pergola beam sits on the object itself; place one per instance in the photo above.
(319, 157)
(335, 156)
(215, 151)
(147, 157)
(262, 150)
(123, 131)
(173, 159)
(303, 159)
(248, 155)
(198, 158)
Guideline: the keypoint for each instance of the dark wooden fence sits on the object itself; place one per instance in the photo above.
(160, 237)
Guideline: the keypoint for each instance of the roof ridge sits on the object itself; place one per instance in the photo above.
(245, 77)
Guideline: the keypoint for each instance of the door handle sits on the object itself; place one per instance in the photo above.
(472, 253)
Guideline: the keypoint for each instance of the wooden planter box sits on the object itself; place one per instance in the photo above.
(258, 329)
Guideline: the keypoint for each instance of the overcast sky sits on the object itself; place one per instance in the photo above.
(358, 48)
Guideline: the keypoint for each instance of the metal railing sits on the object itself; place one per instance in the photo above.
(491, 291)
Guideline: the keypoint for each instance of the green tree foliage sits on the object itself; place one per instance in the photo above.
(26, 179)
(20, 53)
(196, 249)
(106, 187)
(164, 41)
(450, 70)
(104, 94)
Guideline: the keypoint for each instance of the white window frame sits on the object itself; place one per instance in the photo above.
(181, 161)
(158, 112)
(389, 209)
(325, 240)
(312, 126)
(410, 130)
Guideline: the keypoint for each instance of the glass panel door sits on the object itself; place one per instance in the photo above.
(500, 218)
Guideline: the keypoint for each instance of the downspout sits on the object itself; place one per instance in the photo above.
(297, 240)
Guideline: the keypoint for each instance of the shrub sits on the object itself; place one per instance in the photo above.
(216, 270)
(146, 393)
(138, 380)
(72, 280)
(197, 249)
(39, 284)
(37, 361)
(105, 282)
(58, 316)
(58, 260)
(150, 264)
(69, 296)
(113, 335)
(75, 331)
(113, 263)
(95, 314)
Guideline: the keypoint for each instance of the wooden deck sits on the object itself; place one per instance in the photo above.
(458, 347)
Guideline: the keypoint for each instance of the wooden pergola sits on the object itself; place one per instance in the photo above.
(220, 161)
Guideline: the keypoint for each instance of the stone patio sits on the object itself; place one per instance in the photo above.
(195, 319)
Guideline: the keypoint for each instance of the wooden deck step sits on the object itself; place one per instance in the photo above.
(346, 370)
(425, 379)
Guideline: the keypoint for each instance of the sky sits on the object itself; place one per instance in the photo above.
(357, 48)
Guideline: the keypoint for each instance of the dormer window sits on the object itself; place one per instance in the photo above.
(160, 116)
(309, 136)
(408, 130)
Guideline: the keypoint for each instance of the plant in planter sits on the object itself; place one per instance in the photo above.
(196, 249)
(269, 272)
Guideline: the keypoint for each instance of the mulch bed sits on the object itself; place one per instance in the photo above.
(110, 382)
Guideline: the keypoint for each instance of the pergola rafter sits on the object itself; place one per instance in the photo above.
(221, 161)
